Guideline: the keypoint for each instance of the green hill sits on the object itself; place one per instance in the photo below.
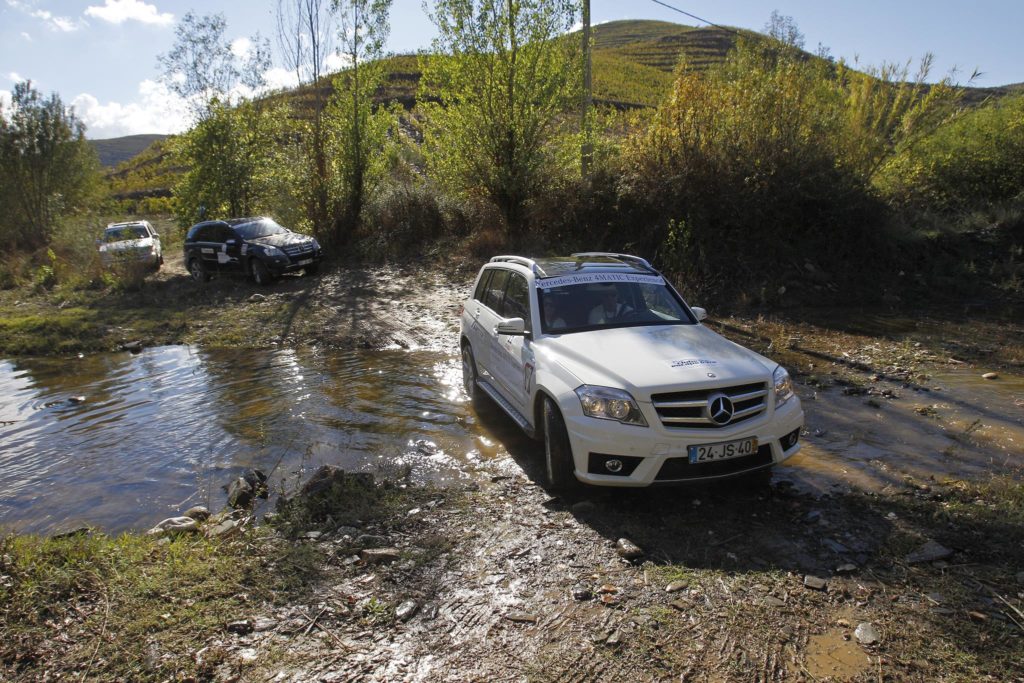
(114, 151)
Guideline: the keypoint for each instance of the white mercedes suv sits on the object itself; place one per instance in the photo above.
(598, 355)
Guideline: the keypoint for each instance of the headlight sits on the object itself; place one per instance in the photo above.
(606, 403)
(272, 251)
(316, 245)
(783, 386)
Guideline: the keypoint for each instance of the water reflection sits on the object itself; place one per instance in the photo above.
(121, 441)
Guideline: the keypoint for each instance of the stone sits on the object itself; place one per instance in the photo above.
(248, 655)
(425, 447)
(990, 375)
(846, 568)
(835, 546)
(243, 491)
(263, 624)
(615, 639)
(628, 550)
(172, 526)
(815, 582)
(979, 617)
(521, 617)
(581, 592)
(312, 535)
(198, 513)
(406, 610)
(226, 528)
(241, 627)
(379, 555)
(677, 586)
(369, 540)
(928, 552)
(866, 633)
(77, 531)
(680, 605)
(772, 601)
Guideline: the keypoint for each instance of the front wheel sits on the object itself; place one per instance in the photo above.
(559, 466)
(260, 273)
(197, 269)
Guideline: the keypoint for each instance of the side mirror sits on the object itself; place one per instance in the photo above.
(513, 327)
(699, 312)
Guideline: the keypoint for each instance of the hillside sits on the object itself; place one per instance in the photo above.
(113, 151)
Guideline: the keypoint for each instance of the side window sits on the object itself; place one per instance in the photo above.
(517, 299)
(223, 233)
(496, 290)
(481, 287)
(202, 234)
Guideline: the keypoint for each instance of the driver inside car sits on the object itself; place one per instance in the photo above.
(610, 307)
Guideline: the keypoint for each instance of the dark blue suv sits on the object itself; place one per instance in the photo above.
(253, 246)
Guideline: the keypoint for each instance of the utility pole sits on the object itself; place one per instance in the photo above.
(587, 151)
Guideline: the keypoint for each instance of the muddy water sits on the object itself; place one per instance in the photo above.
(121, 441)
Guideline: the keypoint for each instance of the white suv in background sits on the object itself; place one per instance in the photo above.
(598, 356)
(131, 242)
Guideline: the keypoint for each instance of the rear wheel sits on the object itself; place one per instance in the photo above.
(197, 269)
(260, 273)
(469, 374)
(559, 466)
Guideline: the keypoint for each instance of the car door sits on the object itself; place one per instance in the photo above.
(512, 355)
(487, 317)
(227, 248)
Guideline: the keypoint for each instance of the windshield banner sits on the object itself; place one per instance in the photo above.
(598, 278)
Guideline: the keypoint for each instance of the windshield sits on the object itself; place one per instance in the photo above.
(595, 305)
(263, 227)
(129, 232)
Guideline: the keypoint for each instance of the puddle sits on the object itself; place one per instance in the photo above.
(830, 655)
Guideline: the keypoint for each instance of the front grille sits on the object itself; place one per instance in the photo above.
(301, 249)
(677, 469)
(690, 409)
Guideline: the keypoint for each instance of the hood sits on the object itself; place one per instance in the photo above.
(283, 239)
(648, 360)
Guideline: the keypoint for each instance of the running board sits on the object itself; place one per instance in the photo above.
(516, 416)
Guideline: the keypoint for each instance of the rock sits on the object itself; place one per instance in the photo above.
(242, 492)
(628, 550)
(581, 592)
(521, 617)
(979, 617)
(813, 516)
(815, 583)
(312, 535)
(242, 627)
(406, 610)
(77, 531)
(172, 526)
(990, 375)
(224, 528)
(680, 605)
(866, 633)
(379, 555)
(677, 586)
(425, 447)
(929, 552)
(615, 639)
(772, 601)
(248, 655)
(76, 400)
(263, 624)
(258, 297)
(198, 513)
(350, 531)
(846, 568)
(370, 540)
(835, 546)
(132, 346)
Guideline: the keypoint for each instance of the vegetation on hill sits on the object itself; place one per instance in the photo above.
(113, 151)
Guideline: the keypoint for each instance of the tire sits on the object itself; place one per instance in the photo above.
(469, 375)
(197, 269)
(559, 466)
(260, 273)
(312, 270)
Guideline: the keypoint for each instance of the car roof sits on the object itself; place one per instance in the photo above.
(126, 224)
(581, 263)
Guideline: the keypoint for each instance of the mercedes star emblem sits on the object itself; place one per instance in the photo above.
(720, 409)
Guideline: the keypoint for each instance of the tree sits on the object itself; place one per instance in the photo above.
(504, 78)
(359, 131)
(232, 144)
(305, 33)
(47, 168)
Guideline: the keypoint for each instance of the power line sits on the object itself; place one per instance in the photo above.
(694, 16)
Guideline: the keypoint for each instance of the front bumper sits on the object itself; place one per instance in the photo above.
(109, 258)
(657, 455)
(283, 264)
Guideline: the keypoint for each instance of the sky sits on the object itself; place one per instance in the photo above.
(100, 56)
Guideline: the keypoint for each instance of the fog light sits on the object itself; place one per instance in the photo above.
(613, 465)
(790, 439)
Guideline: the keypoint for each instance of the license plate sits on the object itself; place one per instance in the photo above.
(722, 451)
(305, 261)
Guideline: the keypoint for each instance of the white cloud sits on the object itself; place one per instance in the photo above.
(241, 47)
(15, 77)
(278, 78)
(337, 62)
(5, 100)
(158, 110)
(26, 37)
(53, 22)
(120, 11)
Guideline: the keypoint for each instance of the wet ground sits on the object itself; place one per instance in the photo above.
(508, 582)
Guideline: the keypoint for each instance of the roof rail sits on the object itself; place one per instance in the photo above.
(624, 257)
(522, 261)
